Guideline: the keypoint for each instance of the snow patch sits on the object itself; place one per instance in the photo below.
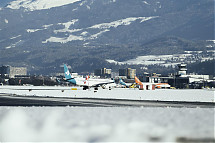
(63, 40)
(32, 5)
(117, 23)
(26, 51)
(84, 33)
(82, 3)
(74, 37)
(33, 30)
(86, 44)
(109, 2)
(75, 9)
(103, 27)
(209, 46)
(15, 37)
(193, 52)
(8, 47)
(143, 19)
(88, 7)
(94, 36)
(212, 41)
(6, 21)
(146, 2)
(13, 45)
(66, 30)
(211, 51)
(67, 26)
(114, 62)
(47, 26)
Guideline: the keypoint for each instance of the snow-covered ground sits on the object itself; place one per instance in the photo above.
(80, 124)
(195, 95)
(112, 124)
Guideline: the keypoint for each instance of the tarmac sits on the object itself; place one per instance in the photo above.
(17, 100)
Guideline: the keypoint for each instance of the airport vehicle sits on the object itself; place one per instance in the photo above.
(87, 82)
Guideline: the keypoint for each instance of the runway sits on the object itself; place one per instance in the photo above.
(16, 100)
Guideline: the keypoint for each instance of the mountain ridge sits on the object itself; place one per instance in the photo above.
(100, 27)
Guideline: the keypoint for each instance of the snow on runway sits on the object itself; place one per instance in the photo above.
(192, 95)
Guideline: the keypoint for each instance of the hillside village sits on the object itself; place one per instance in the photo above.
(170, 60)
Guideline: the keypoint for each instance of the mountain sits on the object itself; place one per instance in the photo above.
(43, 34)
(207, 67)
(3, 3)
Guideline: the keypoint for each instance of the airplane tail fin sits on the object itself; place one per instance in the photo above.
(87, 77)
(68, 76)
(121, 82)
(67, 73)
(138, 81)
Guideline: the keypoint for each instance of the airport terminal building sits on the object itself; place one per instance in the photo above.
(11, 72)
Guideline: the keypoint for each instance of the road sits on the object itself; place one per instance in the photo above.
(16, 100)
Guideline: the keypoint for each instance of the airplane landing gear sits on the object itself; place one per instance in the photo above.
(85, 88)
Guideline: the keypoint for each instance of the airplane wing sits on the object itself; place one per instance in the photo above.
(100, 84)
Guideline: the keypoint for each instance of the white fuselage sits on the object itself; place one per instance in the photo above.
(92, 82)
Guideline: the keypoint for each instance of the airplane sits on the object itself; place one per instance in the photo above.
(127, 85)
(144, 86)
(162, 85)
(138, 82)
(87, 82)
(157, 85)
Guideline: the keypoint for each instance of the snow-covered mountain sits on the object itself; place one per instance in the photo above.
(31, 5)
(40, 29)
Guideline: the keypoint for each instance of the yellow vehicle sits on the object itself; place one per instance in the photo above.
(133, 86)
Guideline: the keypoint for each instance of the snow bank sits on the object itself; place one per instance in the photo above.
(71, 124)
